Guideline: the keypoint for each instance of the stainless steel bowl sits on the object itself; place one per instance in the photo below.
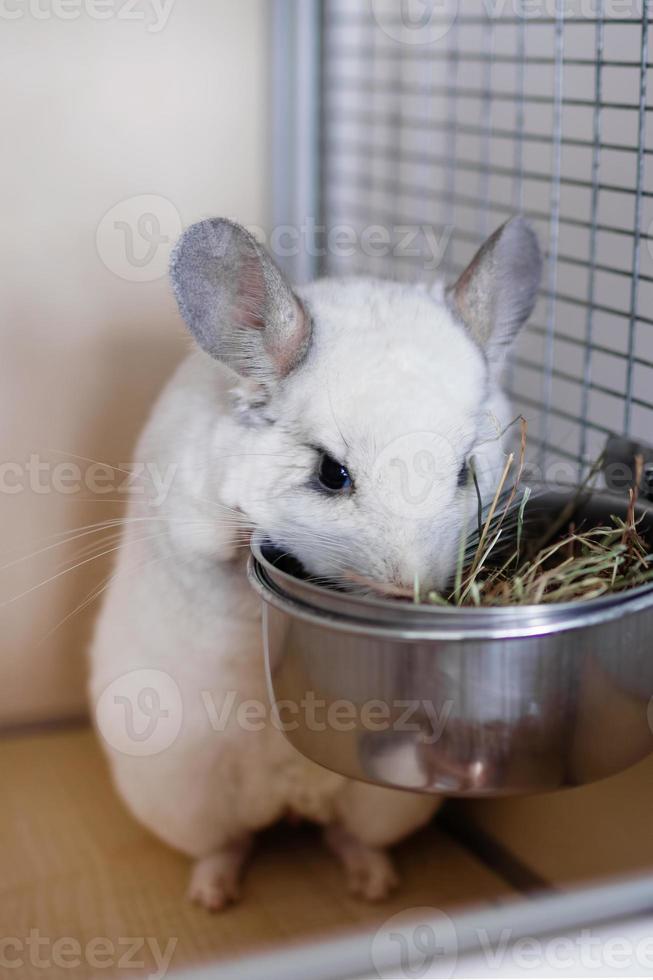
(466, 702)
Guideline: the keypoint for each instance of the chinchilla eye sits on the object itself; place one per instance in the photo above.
(463, 475)
(333, 475)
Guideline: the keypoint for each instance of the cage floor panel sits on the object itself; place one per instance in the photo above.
(75, 864)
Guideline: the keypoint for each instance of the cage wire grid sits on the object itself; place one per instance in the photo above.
(548, 113)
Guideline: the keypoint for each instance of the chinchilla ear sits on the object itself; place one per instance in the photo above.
(496, 293)
(236, 303)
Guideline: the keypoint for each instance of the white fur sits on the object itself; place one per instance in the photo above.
(385, 361)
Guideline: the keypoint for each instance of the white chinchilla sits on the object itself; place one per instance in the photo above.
(291, 418)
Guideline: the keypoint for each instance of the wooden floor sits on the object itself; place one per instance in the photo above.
(74, 864)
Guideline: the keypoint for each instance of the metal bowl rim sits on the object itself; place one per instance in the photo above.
(411, 608)
(485, 621)
(456, 628)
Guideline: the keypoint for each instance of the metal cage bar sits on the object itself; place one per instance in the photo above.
(296, 32)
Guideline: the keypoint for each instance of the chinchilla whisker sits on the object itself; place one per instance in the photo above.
(72, 568)
(95, 594)
(74, 534)
(89, 459)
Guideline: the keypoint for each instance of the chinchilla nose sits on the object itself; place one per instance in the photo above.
(418, 576)
(426, 564)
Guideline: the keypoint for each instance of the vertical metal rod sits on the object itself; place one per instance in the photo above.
(518, 166)
(634, 286)
(485, 107)
(393, 267)
(321, 235)
(594, 207)
(452, 81)
(372, 264)
(554, 233)
(281, 109)
(428, 77)
(308, 24)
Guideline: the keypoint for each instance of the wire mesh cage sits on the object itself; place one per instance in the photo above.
(439, 120)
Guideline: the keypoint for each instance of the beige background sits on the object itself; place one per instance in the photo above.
(94, 112)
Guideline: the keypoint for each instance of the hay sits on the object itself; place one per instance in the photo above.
(570, 564)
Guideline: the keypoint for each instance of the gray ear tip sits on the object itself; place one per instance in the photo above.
(522, 243)
(199, 247)
(207, 236)
(189, 242)
(525, 236)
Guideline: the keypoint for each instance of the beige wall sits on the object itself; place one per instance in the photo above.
(96, 112)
